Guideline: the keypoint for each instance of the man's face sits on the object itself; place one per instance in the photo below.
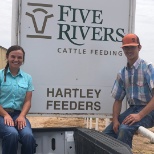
(132, 52)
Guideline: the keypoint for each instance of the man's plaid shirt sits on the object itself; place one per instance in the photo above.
(136, 83)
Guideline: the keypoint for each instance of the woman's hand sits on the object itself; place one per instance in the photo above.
(8, 120)
(20, 122)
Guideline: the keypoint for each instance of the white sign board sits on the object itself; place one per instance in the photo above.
(73, 52)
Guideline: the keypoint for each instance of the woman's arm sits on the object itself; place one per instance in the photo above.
(27, 104)
(7, 118)
(20, 121)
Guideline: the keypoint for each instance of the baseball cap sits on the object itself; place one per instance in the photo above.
(130, 40)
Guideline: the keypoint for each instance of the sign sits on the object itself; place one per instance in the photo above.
(73, 52)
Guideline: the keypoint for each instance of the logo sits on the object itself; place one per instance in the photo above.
(39, 8)
(133, 40)
(75, 25)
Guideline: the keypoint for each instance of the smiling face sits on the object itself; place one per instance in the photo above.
(15, 59)
(132, 53)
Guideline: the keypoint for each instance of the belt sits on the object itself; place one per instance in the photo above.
(10, 110)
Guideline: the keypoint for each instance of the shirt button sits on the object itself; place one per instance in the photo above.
(151, 84)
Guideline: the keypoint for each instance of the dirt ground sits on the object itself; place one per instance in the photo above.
(141, 144)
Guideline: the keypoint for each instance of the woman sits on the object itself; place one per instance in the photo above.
(15, 101)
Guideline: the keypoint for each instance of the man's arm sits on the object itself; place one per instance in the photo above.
(132, 118)
(147, 109)
(116, 112)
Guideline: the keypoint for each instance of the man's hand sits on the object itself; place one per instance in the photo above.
(131, 119)
(116, 125)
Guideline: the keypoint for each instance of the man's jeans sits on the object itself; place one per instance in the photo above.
(126, 132)
(11, 135)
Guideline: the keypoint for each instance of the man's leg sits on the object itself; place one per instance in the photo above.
(109, 129)
(126, 132)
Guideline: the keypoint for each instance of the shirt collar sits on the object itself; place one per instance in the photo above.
(19, 72)
(135, 65)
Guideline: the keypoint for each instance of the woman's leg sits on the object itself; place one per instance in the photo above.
(9, 136)
(27, 139)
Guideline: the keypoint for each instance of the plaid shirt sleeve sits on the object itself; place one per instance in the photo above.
(118, 91)
(150, 76)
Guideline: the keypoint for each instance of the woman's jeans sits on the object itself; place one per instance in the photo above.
(11, 135)
(126, 132)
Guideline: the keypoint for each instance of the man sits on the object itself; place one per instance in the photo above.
(136, 82)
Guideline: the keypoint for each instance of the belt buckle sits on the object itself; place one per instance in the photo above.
(9, 110)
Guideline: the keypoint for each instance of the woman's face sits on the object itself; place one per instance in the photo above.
(15, 59)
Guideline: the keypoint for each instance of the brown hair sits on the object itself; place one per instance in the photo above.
(12, 48)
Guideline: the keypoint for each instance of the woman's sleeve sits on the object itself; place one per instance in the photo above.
(30, 84)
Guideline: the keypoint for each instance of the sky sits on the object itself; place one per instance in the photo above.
(5, 23)
(144, 23)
